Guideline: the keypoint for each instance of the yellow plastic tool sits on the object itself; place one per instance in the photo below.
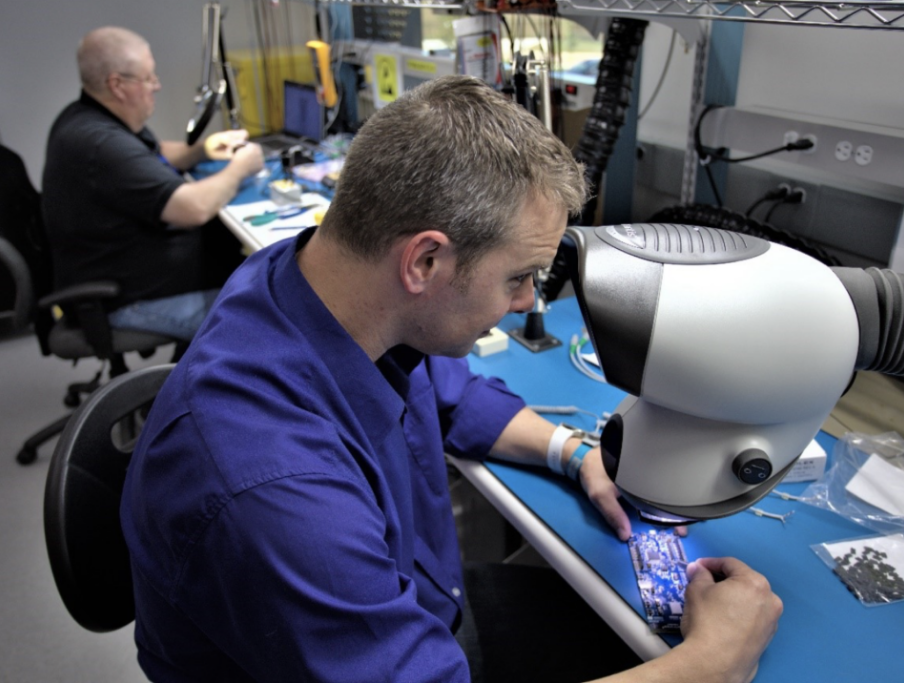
(326, 85)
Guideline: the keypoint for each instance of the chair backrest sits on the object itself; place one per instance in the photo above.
(22, 303)
(21, 223)
(85, 544)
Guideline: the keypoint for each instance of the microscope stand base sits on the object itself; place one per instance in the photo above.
(536, 345)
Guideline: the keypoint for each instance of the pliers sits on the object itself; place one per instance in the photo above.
(270, 216)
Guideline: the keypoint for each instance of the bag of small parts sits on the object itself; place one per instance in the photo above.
(866, 485)
(872, 568)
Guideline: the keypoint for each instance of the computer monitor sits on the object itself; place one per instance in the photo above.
(302, 111)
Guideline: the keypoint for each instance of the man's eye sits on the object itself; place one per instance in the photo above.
(521, 278)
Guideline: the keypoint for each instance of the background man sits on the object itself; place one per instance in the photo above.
(287, 509)
(116, 206)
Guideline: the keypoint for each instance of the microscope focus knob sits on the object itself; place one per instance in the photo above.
(752, 466)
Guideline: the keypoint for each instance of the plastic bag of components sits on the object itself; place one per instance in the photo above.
(872, 568)
(865, 483)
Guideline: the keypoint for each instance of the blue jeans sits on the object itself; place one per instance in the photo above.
(175, 316)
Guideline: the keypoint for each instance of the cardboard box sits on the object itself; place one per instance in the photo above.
(493, 342)
(810, 466)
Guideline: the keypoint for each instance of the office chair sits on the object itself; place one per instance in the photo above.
(85, 544)
(83, 330)
(19, 313)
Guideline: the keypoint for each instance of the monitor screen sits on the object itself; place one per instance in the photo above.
(303, 113)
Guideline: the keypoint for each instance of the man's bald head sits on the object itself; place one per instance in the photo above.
(108, 50)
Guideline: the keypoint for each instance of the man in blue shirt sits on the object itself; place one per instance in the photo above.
(287, 509)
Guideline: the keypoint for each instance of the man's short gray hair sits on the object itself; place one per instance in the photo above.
(107, 50)
(452, 155)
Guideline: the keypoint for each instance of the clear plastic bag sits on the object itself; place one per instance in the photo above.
(850, 454)
(871, 568)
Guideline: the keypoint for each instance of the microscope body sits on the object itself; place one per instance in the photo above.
(734, 351)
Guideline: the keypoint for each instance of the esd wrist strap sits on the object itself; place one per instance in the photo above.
(554, 449)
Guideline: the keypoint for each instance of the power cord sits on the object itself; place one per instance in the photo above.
(665, 71)
(796, 196)
(778, 194)
(796, 146)
(721, 153)
(707, 157)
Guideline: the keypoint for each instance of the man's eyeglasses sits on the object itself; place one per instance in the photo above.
(151, 80)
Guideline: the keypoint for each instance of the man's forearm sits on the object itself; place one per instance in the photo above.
(181, 155)
(526, 440)
(195, 203)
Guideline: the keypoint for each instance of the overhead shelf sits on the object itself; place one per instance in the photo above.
(413, 4)
(868, 14)
(862, 15)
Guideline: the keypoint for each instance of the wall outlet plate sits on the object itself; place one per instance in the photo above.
(844, 150)
(863, 155)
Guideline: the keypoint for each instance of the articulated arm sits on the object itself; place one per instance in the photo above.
(878, 296)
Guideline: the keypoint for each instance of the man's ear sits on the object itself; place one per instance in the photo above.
(114, 87)
(425, 257)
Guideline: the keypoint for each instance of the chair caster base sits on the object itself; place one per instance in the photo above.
(26, 456)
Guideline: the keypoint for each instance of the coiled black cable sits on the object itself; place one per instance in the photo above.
(614, 83)
(611, 101)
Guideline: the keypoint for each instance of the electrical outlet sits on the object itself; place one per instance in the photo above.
(843, 150)
(791, 136)
(863, 155)
(811, 138)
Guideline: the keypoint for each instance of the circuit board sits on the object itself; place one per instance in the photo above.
(661, 569)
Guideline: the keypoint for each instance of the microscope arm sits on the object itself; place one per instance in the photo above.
(878, 297)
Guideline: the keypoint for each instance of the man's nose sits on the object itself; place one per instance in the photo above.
(523, 301)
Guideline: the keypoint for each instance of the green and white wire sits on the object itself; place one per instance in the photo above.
(574, 353)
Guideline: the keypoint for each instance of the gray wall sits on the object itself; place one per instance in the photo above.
(844, 74)
(38, 76)
(845, 77)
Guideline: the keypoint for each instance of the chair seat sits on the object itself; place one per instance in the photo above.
(71, 344)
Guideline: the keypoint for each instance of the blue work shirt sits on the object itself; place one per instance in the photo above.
(287, 507)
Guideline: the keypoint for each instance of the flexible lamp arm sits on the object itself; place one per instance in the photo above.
(208, 97)
(210, 32)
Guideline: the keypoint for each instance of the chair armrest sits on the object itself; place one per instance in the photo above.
(84, 308)
(102, 289)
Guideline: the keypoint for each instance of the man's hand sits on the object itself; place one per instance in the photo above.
(223, 145)
(731, 615)
(249, 158)
(604, 495)
(193, 204)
